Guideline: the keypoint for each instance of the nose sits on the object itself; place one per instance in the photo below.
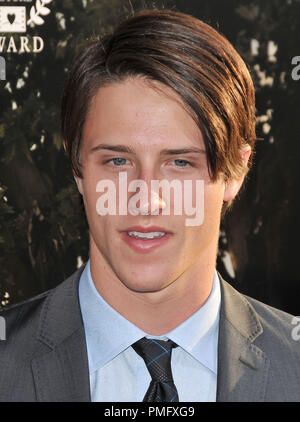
(152, 205)
(148, 198)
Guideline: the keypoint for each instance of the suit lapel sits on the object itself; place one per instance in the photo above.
(60, 369)
(242, 366)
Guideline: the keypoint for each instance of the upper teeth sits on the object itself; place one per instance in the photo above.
(149, 235)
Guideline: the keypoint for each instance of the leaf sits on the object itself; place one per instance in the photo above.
(38, 20)
(32, 12)
(41, 10)
(44, 11)
(38, 5)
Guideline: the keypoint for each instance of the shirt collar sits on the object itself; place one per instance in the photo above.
(100, 322)
(197, 335)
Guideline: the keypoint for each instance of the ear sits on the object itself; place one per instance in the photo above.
(233, 186)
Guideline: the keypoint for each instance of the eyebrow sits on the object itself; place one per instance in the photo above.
(117, 148)
(123, 148)
(182, 151)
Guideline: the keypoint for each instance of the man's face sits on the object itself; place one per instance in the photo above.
(137, 126)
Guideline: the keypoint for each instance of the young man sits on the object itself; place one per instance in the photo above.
(164, 98)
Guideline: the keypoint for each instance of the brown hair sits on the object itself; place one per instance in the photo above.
(183, 53)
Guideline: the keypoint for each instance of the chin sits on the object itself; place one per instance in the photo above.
(144, 284)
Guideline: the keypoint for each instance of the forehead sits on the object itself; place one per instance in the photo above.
(137, 111)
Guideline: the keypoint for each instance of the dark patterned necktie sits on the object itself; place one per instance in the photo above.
(157, 357)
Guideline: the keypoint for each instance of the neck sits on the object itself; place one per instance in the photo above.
(158, 312)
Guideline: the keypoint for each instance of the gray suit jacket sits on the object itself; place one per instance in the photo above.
(44, 356)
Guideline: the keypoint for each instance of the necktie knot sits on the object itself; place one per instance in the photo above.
(157, 357)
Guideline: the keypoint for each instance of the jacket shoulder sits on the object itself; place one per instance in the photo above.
(19, 315)
(252, 317)
(276, 322)
(280, 341)
(25, 316)
(33, 329)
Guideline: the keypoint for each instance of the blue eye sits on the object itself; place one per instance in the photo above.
(181, 163)
(119, 161)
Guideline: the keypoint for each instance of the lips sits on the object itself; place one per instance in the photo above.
(145, 239)
(146, 229)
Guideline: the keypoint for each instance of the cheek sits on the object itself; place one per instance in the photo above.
(102, 226)
(90, 194)
(213, 199)
(202, 203)
(90, 200)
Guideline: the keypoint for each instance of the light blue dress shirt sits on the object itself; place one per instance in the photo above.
(119, 374)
